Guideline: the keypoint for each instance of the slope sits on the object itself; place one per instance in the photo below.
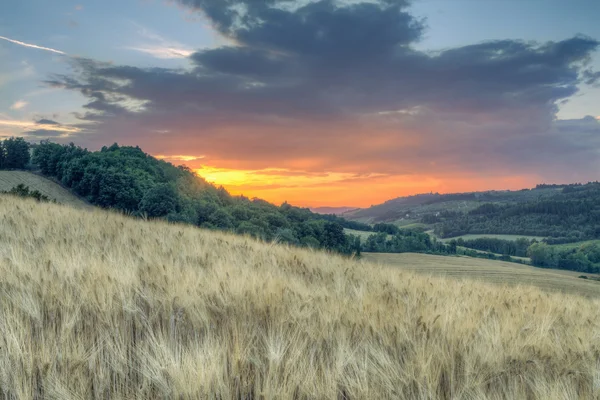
(96, 305)
(10, 179)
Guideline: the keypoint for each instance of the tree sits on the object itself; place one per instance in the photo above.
(118, 190)
(2, 156)
(334, 236)
(160, 201)
(542, 255)
(16, 153)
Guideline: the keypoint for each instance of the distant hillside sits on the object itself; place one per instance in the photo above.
(96, 305)
(560, 213)
(49, 188)
(332, 210)
(410, 209)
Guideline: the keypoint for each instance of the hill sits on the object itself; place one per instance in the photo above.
(331, 210)
(559, 213)
(54, 191)
(492, 271)
(98, 305)
(127, 179)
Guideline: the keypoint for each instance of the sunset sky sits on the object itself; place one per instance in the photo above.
(320, 103)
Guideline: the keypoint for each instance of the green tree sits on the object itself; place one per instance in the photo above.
(16, 153)
(334, 236)
(542, 255)
(160, 201)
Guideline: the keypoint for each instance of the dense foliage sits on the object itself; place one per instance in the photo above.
(406, 241)
(125, 178)
(585, 258)
(14, 153)
(570, 215)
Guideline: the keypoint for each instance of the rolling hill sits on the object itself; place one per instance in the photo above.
(410, 209)
(557, 213)
(54, 191)
(97, 305)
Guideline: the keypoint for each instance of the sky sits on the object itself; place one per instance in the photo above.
(315, 102)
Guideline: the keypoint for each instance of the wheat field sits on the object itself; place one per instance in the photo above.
(95, 305)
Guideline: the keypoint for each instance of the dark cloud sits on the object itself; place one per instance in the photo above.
(45, 121)
(44, 133)
(342, 84)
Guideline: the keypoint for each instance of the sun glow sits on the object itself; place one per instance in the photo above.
(306, 186)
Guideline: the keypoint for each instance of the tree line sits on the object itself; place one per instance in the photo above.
(585, 258)
(406, 241)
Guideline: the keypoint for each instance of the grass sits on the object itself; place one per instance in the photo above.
(524, 259)
(490, 271)
(94, 305)
(10, 179)
(362, 234)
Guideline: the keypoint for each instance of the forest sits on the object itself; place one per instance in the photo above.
(570, 215)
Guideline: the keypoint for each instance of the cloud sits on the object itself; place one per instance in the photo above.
(44, 121)
(41, 125)
(158, 46)
(178, 157)
(33, 46)
(45, 133)
(339, 87)
(163, 52)
(19, 105)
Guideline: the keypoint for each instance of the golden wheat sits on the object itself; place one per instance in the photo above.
(95, 305)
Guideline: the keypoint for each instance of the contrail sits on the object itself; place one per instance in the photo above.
(33, 46)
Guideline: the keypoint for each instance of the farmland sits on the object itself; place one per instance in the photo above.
(490, 235)
(497, 272)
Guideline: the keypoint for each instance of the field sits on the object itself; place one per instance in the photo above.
(10, 179)
(491, 235)
(569, 246)
(96, 305)
(498, 272)
(363, 235)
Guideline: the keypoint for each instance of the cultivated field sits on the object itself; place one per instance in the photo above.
(94, 305)
(498, 272)
(490, 235)
(363, 235)
(10, 179)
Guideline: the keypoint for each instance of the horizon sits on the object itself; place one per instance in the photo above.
(428, 96)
